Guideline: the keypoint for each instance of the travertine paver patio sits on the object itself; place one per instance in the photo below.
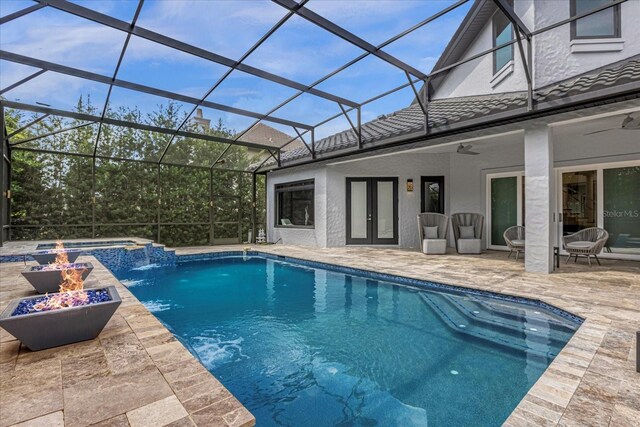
(136, 369)
(135, 373)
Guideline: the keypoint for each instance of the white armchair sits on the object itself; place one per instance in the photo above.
(432, 229)
(467, 231)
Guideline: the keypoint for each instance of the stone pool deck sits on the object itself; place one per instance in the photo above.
(136, 373)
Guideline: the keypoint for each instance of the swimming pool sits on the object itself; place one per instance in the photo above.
(299, 345)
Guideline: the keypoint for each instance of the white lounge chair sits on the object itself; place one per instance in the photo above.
(433, 228)
(467, 231)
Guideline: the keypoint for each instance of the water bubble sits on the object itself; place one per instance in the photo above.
(462, 326)
(454, 372)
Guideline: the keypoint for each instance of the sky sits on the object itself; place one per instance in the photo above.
(298, 50)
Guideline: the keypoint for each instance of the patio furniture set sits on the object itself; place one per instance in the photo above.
(467, 231)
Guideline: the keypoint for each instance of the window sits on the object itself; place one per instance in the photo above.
(604, 24)
(502, 33)
(432, 198)
(295, 204)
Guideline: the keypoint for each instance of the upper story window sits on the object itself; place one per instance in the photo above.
(502, 33)
(295, 204)
(604, 24)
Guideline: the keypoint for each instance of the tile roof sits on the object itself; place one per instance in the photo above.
(456, 110)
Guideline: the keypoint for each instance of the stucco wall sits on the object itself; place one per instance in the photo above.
(474, 77)
(553, 58)
(316, 236)
(403, 166)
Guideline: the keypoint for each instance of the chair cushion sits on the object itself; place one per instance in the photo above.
(580, 244)
(469, 246)
(467, 232)
(434, 246)
(430, 232)
(517, 242)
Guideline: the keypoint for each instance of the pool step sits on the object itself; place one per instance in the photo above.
(514, 328)
(536, 345)
(499, 315)
(501, 309)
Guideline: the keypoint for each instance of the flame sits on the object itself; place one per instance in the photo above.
(71, 292)
(61, 257)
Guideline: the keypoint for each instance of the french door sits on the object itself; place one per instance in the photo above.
(372, 211)
(605, 196)
(505, 205)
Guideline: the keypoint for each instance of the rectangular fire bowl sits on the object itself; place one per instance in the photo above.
(46, 329)
(49, 256)
(47, 278)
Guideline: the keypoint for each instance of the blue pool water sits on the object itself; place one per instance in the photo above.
(302, 346)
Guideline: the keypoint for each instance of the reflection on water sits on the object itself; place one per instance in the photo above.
(301, 346)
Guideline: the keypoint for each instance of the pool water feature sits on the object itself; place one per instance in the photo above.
(299, 345)
(88, 244)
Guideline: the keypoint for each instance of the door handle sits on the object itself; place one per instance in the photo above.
(559, 217)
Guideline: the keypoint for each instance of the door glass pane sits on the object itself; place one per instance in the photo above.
(622, 209)
(358, 210)
(504, 207)
(432, 194)
(579, 201)
(385, 210)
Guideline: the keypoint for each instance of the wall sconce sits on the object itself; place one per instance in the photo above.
(410, 185)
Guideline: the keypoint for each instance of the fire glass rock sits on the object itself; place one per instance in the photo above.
(45, 329)
(47, 278)
(49, 256)
(93, 296)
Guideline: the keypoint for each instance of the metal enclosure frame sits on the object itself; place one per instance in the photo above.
(293, 8)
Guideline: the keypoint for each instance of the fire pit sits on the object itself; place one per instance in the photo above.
(46, 321)
(48, 278)
(51, 255)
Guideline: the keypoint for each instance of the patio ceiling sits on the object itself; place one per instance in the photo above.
(309, 68)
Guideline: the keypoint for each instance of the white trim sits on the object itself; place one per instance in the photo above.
(597, 45)
(599, 168)
(503, 73)
(519, 174)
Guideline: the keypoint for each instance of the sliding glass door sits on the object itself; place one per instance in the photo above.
(505, 206)
(605, 196)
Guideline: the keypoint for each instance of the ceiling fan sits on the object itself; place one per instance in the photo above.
(466, 149)
(628, 123)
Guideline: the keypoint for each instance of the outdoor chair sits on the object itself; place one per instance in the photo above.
(467, 232)
(433, 229)
(514, 237)
(586, 242)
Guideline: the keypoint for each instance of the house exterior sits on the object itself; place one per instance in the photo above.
(559, 158)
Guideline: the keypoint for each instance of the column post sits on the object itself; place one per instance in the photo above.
(539, 198)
